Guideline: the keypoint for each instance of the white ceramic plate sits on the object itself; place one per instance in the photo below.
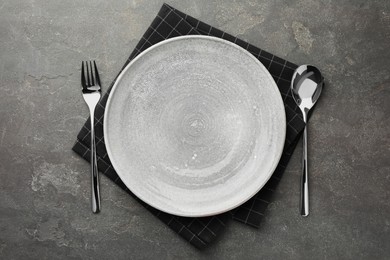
(195, 126)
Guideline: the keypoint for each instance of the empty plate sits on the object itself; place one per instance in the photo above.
(194, 126)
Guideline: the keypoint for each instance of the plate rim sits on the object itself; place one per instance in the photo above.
(139, 56)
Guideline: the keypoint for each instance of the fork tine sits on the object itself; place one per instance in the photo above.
(92, 76)
(83, 82)
(88, 76)
(97, 78)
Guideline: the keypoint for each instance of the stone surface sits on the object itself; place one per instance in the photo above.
(44, 188)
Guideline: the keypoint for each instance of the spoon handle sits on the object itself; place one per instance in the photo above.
(304, 203)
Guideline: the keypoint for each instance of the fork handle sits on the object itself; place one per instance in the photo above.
(304, 201)
(94, 169)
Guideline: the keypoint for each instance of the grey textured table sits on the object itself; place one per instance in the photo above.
(45, 187)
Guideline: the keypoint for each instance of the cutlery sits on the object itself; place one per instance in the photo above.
(306, 85)
(90, 82)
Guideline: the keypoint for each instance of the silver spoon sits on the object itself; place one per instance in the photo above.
(306, 86)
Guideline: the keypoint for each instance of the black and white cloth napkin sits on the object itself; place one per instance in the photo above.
(200, 232)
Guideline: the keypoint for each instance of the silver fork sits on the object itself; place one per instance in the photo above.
(90, 82)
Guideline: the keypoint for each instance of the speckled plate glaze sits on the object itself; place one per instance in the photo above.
(195, 126)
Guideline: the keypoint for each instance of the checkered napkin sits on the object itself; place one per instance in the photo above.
(202, 231)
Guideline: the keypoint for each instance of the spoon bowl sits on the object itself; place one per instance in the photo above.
(306, 86)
